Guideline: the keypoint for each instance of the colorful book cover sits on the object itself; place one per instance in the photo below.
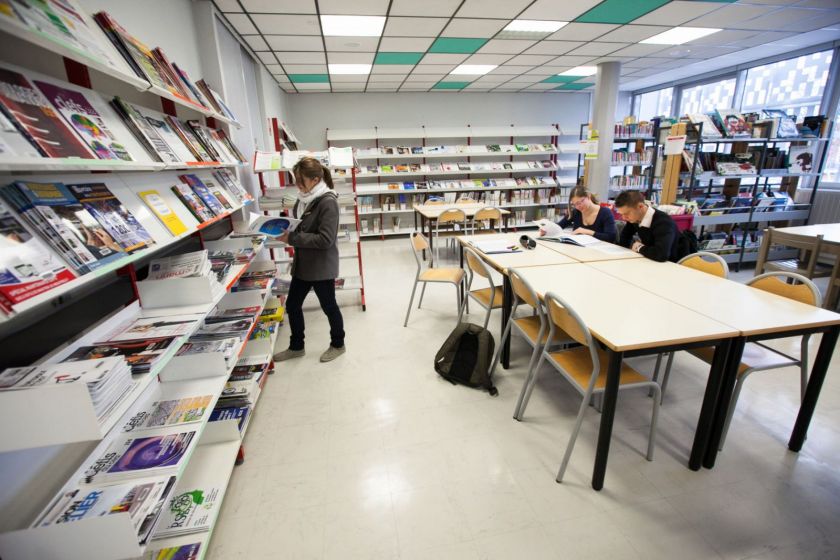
(203, 137)
(183, 153)
(134, 51)
(113, 215)
(36, 118)
(197, 208)
(189, 140)
(144, 131)
(141, 355)
(203, 193)
(220, 196)
(139, 455)
(13, 142)
(169, 413)
(733, 122)
(161, 209)
(185, 79)
(231, 185)
(183, 552)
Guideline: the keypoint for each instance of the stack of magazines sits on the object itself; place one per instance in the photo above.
(241, 391)
(188, 265)
(141, 355)
(108, 380)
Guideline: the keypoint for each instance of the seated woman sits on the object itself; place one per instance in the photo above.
(587, 217)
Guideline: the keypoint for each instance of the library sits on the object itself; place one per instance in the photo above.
(462, 279)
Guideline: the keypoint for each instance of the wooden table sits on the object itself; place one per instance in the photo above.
(831, 246)
(657, 325)
(756, 314)
(602, 251)
(429, 214)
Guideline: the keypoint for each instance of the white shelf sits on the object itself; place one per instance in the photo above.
(459, 189)
(336, 135)
(439, 155)
(454, 172)
(79, 164)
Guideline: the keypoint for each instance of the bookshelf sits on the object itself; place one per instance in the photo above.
(512, 167)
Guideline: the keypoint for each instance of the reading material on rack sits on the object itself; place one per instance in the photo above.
(185, 265)
(164, 213)
(141, 355)
(130, 456)
(113, 215)
(170, 413)
(193, 505)
(144, 328)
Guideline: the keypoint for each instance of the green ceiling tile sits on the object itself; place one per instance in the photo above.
(456, 45)
(578, 85)
(620, 11)
(450, 85)
(398, 57)
(309, 78)
(561, 79)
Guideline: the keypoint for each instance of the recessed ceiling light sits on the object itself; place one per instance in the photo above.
(352, 26)
(530, 29)
(475, 69)
(349, 68)
(580, 71)
(679, 35)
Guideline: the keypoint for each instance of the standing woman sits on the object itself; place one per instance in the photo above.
(588, 217)
(315, 264)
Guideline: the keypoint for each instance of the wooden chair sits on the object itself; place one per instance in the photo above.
(809, 247)
(454, 276)
(453, 220)
(710, 263)
(585, 367)
(488, 298)
(488, 215)
(758, 356)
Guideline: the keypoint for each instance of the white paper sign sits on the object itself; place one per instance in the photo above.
(589, 148)
(674, 145)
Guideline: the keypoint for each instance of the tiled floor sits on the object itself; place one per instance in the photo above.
(374, 456)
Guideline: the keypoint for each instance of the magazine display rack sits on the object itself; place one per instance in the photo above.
(512, 167)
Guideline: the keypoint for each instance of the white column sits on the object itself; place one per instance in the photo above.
(603, 120)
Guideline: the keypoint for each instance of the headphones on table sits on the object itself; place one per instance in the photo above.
(527, 242)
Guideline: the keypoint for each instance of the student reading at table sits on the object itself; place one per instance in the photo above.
(587, 217)
(657, 233)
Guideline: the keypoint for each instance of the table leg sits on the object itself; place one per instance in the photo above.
(709, 407)
(607, 414)
(507, 303)
(812, 392)
(727, 385)
(461, 289)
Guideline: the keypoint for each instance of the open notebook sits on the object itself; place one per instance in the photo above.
(556, 234)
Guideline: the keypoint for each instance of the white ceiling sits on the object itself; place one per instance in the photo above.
(286, 35)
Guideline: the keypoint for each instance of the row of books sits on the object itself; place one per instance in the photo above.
(770, 123)
(478, 184)
(627, 157)
(798, 159)
(44, 117)
(456, 149)
(642, 129)
(418, 168)
(275, 161)
(629, 181)
(66, 23)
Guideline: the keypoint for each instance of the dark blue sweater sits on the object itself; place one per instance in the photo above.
(604, 225)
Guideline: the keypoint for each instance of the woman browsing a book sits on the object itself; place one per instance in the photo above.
(315, 264)
(586, 217)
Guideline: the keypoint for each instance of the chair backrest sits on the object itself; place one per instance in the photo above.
(434, 202)
(709, 263)
(801, 289)
(772, 236)
(465, 200)
(564, 318)
(522, 289)
(488, 213)
(476, 263)
(452, 215)
(419, 243)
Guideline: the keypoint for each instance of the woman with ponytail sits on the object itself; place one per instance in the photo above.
(585, 216)
(315, 264)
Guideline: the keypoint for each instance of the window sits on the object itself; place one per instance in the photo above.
(653, 104)
(795, 85)
(706, 98)
(831, 171)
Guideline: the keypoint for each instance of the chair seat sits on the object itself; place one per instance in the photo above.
(793, 265)
(577, 363)
(451, 275)
(530, 327)
(483, 295)
(755, 357)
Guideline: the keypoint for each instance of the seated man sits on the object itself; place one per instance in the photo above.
(657, 232)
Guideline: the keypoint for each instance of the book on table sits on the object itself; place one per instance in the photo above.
(579, 239)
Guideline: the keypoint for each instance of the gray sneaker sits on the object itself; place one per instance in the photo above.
(332, 353)
(289, 354)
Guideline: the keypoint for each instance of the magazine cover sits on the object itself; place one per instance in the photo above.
(86, 121)
(709, 128)
(200, 189)
(168, 135)
(141, 355)
(188, 138)
(196, 207)
(137, 54)
(113, 215)
(733, 122)
(144, 131)
(169, 413)
(145, 328)
(161, 209)
(272, 226)
(183, 552)
(36, 119)
(132, 456)
(12, 141)
(203, 137)
(191, 508)
(801, 159)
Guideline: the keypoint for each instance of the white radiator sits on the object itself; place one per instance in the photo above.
(826, 208)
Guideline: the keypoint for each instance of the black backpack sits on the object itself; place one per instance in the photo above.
(466, 356)
(687, 243)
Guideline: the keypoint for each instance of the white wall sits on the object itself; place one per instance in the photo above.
(311, 113)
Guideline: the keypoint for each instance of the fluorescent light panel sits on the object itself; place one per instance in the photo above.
(474, 69)
(679, 35)
(350, 68)
(535, 25)
(580, 71)
(352, 26)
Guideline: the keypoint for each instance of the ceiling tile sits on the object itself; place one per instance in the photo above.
(405, 44)
(228, 5)
(620, 11)
(598, 49)
(639, 50)
(301, 25)
(414, 26)
(443, 8)
(825, 19)
(510, 70)
(524, 80)
(309, 78)
(306, 57)
(433, 68)
(348, 87)
(241, 23)
(611, 58)
(782, 20)
(677, 13)
(730, 16)
(382, 88)
(531, 59)
(274, 68)
(352, 44)
(491, 8)
(575, 86)
(424, 78)
(280, 6)
(759, 39)
(487, 59)
(645, 62)
(282, 79)
(632, 33)
(482, 28)
(391, 68)
(553, 47)
(538, 87)
(256, 42)
(581, 31)
(571, 60)
(505, 46)
(435, 58)
(450, 85)
(295, 42)
(387, 78)
(817, 4)
(349, 78)
(267, 57)
(313, 87)
(349, 58)
(552, 68)
(565, 10)
(724, 37)
(473, 88)
(541, 72)
(305, 69)
(645, 72)
(354, 8)
(397, 58)
(491, 79)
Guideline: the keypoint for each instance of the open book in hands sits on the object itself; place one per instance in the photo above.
(272, 226)
(555, 233)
